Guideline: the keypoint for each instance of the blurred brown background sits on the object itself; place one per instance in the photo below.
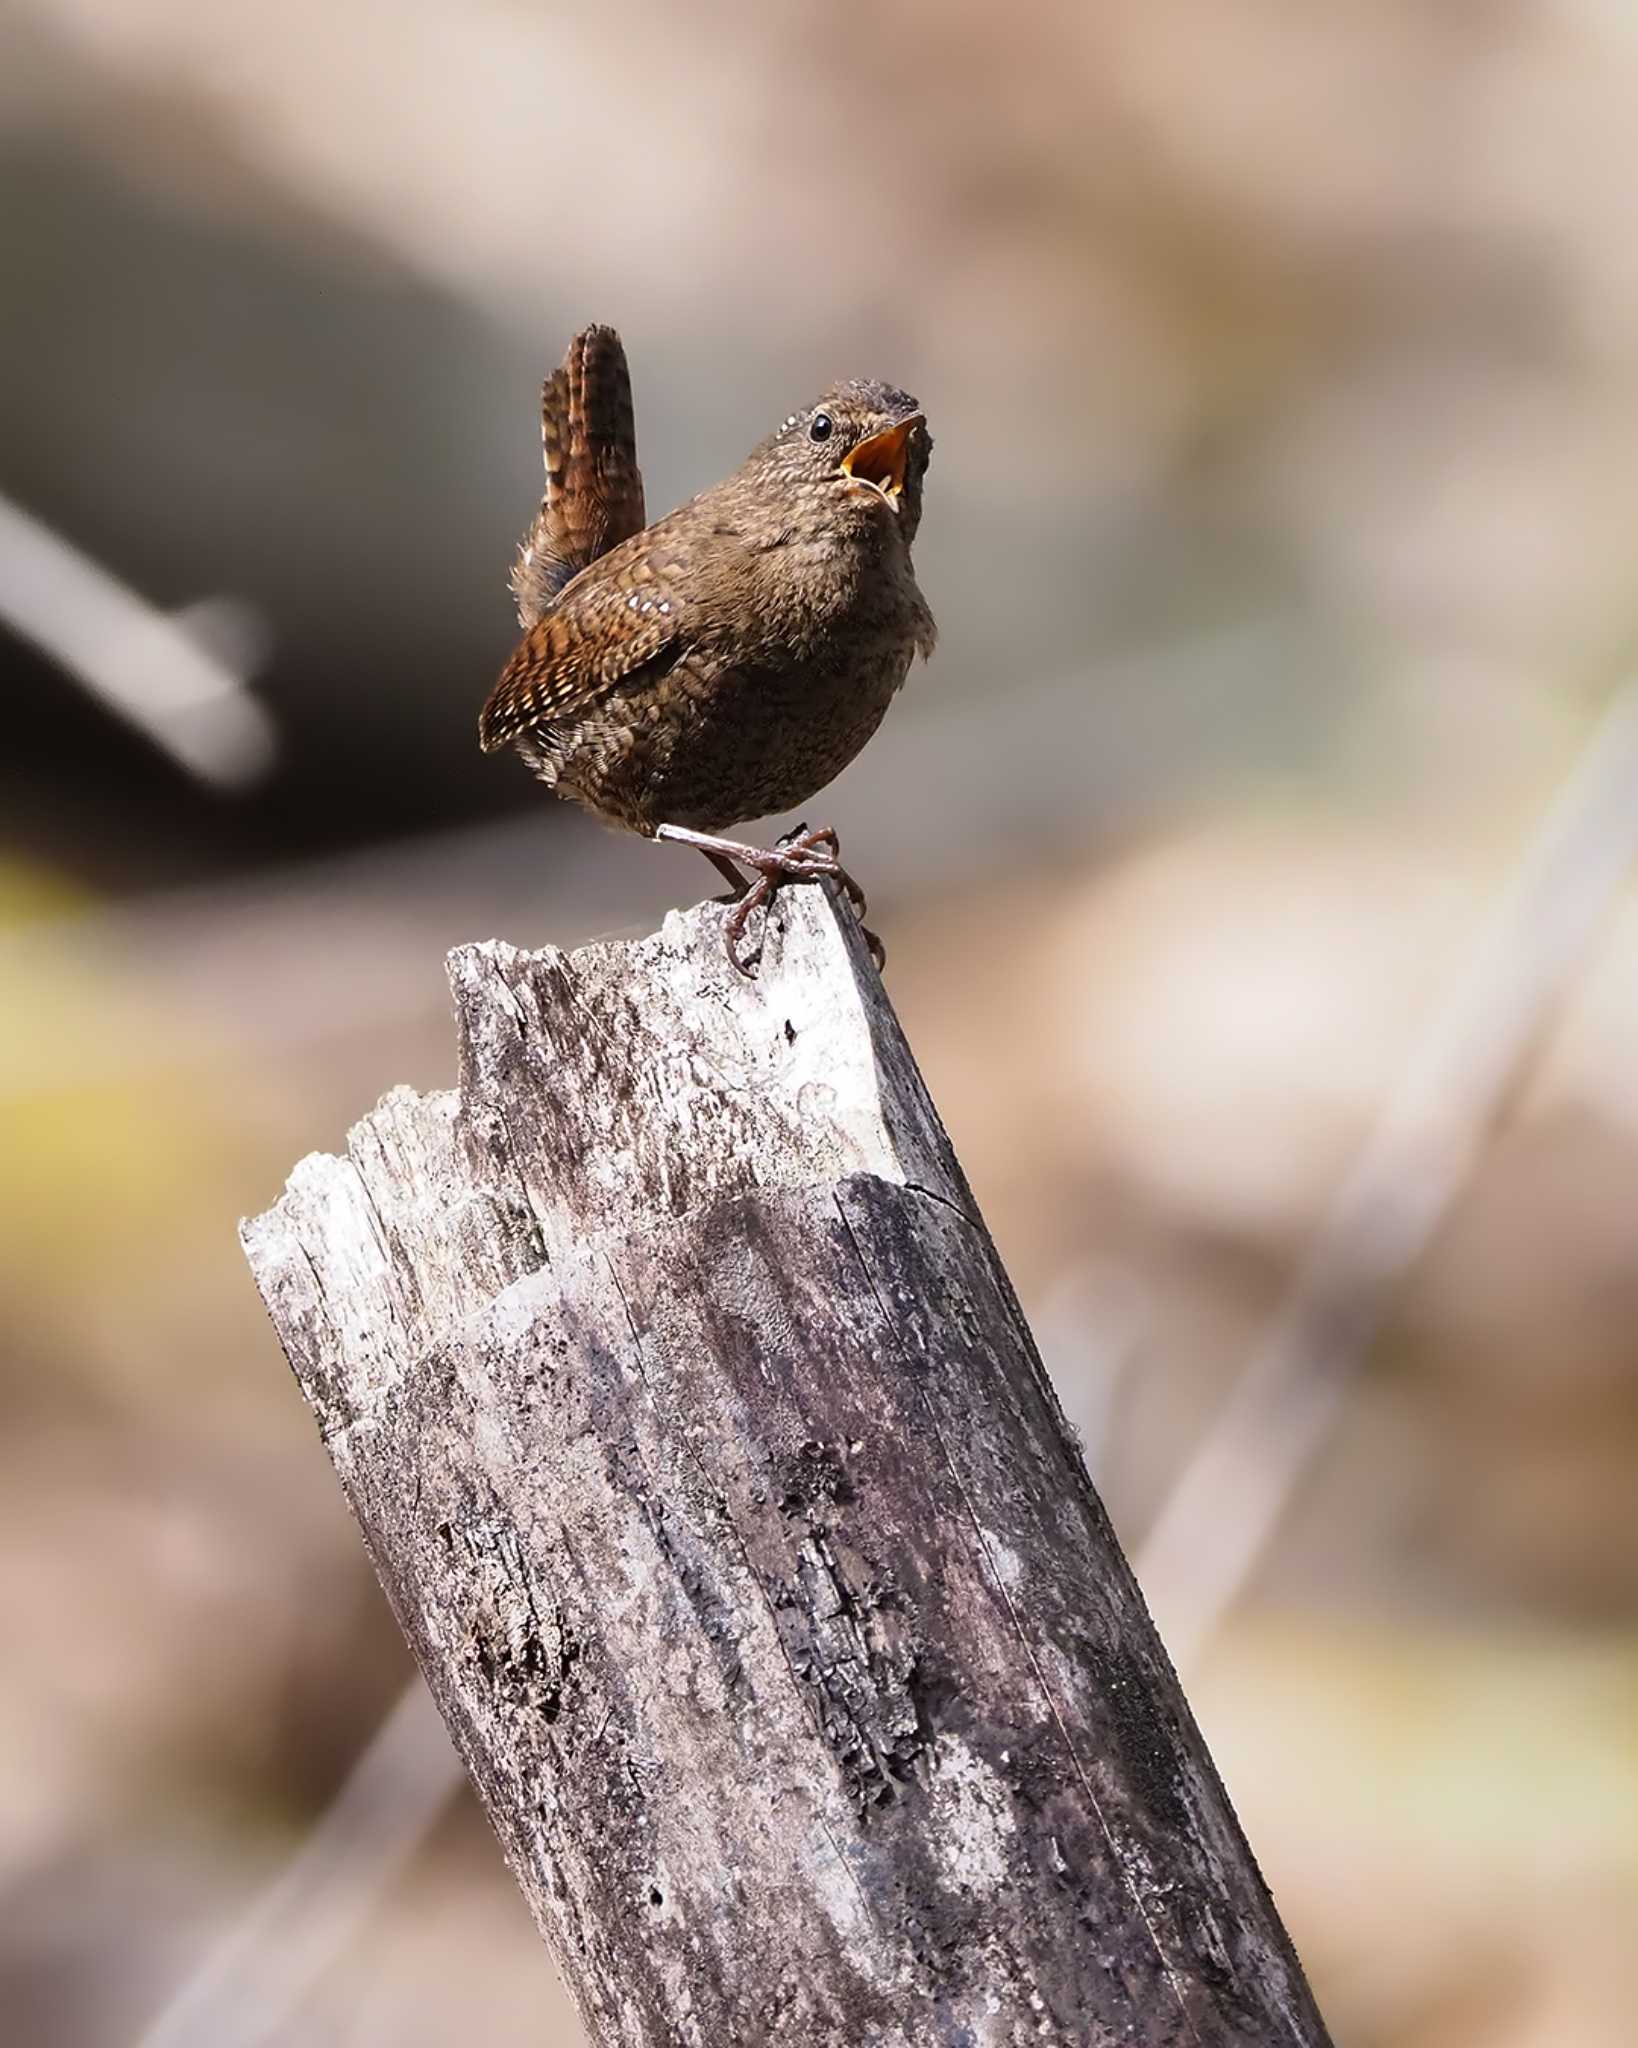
(1283, 366)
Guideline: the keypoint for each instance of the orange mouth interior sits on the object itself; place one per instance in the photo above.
(880, 461)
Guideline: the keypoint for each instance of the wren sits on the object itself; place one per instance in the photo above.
(730, 660)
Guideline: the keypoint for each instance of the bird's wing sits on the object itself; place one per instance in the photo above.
(594, 488)
(624, 613)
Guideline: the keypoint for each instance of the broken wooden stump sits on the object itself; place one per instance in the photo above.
(712, 1473)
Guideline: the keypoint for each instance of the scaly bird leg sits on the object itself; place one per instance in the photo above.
(801, 856)
(729, 873)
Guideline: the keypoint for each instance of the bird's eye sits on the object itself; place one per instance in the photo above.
(822, 424)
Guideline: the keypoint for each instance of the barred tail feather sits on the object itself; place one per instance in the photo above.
(594, 488)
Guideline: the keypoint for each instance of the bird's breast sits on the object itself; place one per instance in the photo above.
(819, 590)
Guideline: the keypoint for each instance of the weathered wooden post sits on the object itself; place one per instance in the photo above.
(711, 1471)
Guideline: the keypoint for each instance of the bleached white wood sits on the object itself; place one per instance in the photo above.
(712, 1473)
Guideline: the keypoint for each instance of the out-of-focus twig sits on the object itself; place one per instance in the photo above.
(180, 679)
(248, 1987)
(1223, 1509)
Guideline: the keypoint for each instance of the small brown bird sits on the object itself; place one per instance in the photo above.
(729, 660)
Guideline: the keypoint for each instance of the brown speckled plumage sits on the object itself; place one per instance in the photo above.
(728, 661)
(594, 489)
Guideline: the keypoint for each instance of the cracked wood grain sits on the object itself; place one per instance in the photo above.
(710, 1469)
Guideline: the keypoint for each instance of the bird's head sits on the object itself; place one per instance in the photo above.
(863, 440)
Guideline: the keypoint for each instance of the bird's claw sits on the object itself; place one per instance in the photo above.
(808, 846)
(800, 856)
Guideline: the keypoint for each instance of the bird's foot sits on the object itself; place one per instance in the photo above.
(826, 837)
(800, 856)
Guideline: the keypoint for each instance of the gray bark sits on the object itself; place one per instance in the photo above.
(714, 1478)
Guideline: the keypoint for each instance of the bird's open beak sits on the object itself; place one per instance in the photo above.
(880, 461)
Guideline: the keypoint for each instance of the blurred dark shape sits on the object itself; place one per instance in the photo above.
(292, 423)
